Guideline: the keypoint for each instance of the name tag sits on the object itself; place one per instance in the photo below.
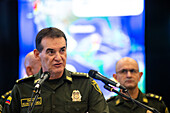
(25, 102)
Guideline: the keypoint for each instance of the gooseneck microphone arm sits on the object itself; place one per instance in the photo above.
(96, 75)
(45, 76)
(111, 89)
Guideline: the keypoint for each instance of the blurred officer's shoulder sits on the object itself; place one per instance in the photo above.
(31, 77)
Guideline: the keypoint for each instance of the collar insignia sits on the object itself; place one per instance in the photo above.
(117, 101)
(35, 81)
(145, 100)
(68, 78)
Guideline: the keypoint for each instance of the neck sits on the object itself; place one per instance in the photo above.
(55, 76)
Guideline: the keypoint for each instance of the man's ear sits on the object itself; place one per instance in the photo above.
(36, 53)
(140, 74)
(29, 70)
(115, 76)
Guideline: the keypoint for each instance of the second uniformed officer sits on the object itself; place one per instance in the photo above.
(128, 75)
(65, 91)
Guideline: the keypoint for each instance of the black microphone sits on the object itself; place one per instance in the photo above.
(97, 75)
(43, 77)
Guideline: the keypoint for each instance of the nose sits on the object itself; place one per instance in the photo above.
(57, 56)
(129, 74)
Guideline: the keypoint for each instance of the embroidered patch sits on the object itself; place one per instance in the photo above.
(96, 86)
(76, 96)
(8, 101)
(25, 102)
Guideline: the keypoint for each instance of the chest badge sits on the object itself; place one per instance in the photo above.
(76, 96)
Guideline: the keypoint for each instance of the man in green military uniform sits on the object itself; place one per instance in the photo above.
(65, 91)
(128, 75)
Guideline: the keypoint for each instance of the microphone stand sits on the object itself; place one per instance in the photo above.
(44, 76)
(111, 89)
(37, 94)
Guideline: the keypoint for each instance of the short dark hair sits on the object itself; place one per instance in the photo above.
(50, 32)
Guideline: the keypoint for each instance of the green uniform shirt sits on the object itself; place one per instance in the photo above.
(118, 105)
(72, 93)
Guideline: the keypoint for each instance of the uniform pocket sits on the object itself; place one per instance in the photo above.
(36, 109)
(76, 107)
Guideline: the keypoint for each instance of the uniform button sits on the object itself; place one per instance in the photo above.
(77, 109)
(68, 106)
(53, 106)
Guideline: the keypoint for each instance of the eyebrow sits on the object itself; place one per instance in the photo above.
(49, 49)
(63, 47)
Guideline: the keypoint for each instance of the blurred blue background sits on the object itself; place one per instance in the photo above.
(97, 37)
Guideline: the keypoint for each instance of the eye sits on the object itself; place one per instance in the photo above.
(50, 52)
(133, 71)
(124, 71)
(63, 50)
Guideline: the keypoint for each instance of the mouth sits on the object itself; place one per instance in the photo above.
(129, 81)
(58, 65)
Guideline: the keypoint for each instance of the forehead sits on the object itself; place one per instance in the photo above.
(56, 42)
(127, 64)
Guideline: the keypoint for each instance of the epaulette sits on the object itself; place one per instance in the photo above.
(25, 79)
(150, 95)
(111, 98)
(6, 94)
(78, 74)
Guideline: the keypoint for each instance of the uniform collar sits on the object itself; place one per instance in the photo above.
(66, 75)
(142, 97)
(37, 76)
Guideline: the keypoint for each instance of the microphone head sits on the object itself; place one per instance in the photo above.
(46, 73)
(92, 73)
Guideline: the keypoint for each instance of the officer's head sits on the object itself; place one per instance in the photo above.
(127, 73)
(51, 50)
(32, 64)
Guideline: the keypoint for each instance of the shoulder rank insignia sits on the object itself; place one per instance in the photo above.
(6, 94)
(25, 78)
(96, 86)
(78, 74)
(76, 96)
(154, 96)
